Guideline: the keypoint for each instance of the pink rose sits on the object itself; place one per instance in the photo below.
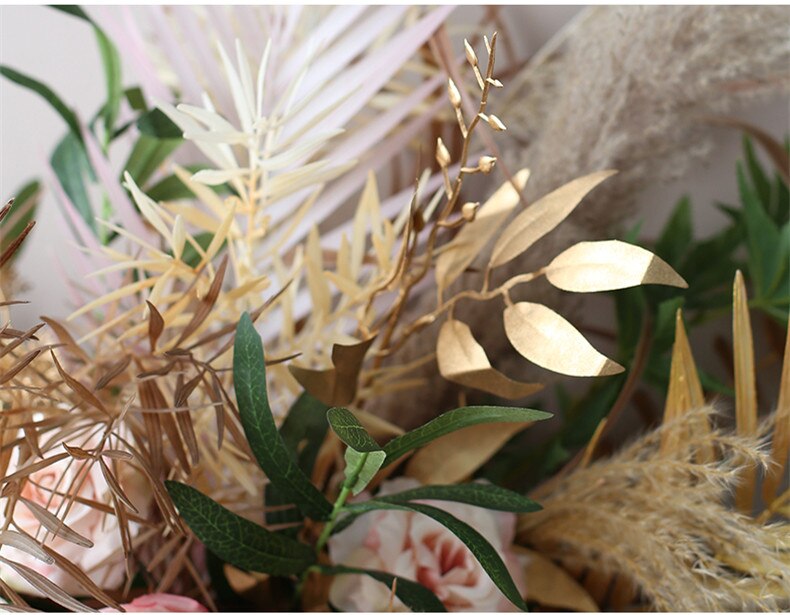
(161, 603)
(103, 562)
(418, 548)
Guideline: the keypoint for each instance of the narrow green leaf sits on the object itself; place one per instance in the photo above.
(146, 156)
(249, 381)
(477, 494)
(482, 550)
(350, 430)
(72, 167)
(136, 99)
(677, 235)
(304, 430)
(237, 540)
(417, 597)
(46, 93)
(454, 420)
(762, 238)
(191, 256)
(111, 62)
(361, 468)
(758, 177)
(155, 123)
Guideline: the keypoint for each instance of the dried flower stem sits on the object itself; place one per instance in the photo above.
(453, 192)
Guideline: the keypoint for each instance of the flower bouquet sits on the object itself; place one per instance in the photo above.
(207, 429)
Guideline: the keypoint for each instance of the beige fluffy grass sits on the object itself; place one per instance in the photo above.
(663, 522)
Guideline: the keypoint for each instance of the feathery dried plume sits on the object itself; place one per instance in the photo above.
(661, 521)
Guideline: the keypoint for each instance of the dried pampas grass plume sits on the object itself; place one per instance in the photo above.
(659, 522)
(632, 89)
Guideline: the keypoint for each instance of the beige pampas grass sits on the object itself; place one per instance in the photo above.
(662, 522)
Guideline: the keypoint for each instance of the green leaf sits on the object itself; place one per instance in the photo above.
(763, 239)
(112, 67)
(483, 495)
(146, 156)
(758, 178)
(249, 381)
(361, 468)
(482, 550)
(363, 455)
(71, 165)
(191, 256)
(237, 540)
(455, 420)
(155, 123)
(677, 235)
(350, 430)
(22, 212)
(112, 76)
(304, 430)
(136, 99)
(415, 596)
(47, 94)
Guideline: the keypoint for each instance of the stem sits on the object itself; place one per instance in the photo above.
(340, 502)
(329, 526)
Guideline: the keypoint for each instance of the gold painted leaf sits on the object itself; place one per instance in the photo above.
(551, 586)
(474, 236)
(542, 217)
(455, 456)
(745, 385)
(544, 337)
(336, 386)
(591, 266)
(463, 360)
(685, 391)
(780, 446)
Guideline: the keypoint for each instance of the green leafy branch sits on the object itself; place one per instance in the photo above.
(287, 456)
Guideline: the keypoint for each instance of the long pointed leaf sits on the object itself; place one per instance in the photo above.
(237, 540)
(482, 550)
(458, 419)
(417, 597)
(249, 375)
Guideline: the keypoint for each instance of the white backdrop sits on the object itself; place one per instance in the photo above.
(61, 51)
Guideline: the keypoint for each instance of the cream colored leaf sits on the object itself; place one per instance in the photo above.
(220, 235)
(551, 586)
(456, 456)
(542, 217)
(591, 266)
(345, 285)
(463, 360)
(544, 337)
(474, 236)
(179, 237)
(148, 207)
(316, 281)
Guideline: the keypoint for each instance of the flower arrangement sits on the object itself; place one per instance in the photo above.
(204, 431)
